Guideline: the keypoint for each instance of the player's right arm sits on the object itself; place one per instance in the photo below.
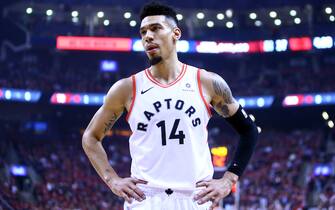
(117, 99)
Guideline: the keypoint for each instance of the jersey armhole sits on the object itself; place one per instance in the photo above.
(134, 97)
(201, 94)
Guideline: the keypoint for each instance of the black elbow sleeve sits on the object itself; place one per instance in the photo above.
(248, 132)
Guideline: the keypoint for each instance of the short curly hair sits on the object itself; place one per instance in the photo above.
(156, 8)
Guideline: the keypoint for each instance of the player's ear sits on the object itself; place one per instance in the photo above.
(176, 33)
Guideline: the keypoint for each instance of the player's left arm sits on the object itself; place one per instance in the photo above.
(218, 93)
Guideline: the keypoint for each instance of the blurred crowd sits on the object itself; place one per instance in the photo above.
(249, 75)
(42, 71)
(280, 176)
(284, 164)
(64, 178)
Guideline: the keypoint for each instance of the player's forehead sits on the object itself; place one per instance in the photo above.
(151, 20)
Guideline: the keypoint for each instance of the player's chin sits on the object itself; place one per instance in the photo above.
(155, 60)
(152, 55)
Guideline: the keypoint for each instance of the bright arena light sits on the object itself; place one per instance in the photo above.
(325, 115)
(75, 20)
(49, 12)
(179, 16)
(200, 15)
(29, 10)
(74, 13)
(229, 13)
(210, 24)
(297, 20)
(183, 46)
(61, 98)
(330, 124)
(253, 16)
(318, 97)
(100, 14)
(106, 22)
(220, 16)
(27, 96)
(127, 15)
(8, 94)
(132, 23)
(332, 18)
(260, 102)
(273, 14)
(293, 13)
(328, 10)
(277, 22)
(258, 23)
(230, 24)
(241, 101)
(259, 129)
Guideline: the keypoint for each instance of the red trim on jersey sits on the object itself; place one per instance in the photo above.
(134, 96)
(152, 79)
(202, 96)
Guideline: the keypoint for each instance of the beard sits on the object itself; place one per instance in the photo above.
(155, 60)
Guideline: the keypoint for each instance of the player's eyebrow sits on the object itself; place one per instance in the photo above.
(150, 25)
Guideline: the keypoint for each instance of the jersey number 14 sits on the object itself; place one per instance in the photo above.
(174, 133)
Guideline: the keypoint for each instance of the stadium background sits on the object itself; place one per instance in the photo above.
(277, 56)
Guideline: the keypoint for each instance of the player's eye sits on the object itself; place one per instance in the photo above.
(142, 32)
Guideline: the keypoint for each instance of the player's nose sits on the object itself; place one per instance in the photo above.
(149, 37)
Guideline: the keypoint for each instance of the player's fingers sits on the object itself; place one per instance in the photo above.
(126, 197)
(132, 193)
(207, 197)
(202, 184)
(202, 193)
(215, 203)
(138, 181)
(138, 191)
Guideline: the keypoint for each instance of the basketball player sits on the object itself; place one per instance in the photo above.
(169, 106)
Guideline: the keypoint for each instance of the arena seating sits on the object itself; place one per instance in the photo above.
(277, 177)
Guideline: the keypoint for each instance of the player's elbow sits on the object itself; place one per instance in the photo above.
(85, 141)
(88, 140)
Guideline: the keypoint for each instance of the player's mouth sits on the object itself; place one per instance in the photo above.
(151, 48)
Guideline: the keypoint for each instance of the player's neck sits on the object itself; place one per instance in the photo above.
(167, 70)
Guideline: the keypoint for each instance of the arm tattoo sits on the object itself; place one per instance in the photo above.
(222, 90)
(110, 123)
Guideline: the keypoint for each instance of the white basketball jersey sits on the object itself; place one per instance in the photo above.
(168, 146)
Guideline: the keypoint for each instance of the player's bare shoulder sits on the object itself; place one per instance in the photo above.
(219, 92)
(214, 85)
(115, 102)
(120, 94)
